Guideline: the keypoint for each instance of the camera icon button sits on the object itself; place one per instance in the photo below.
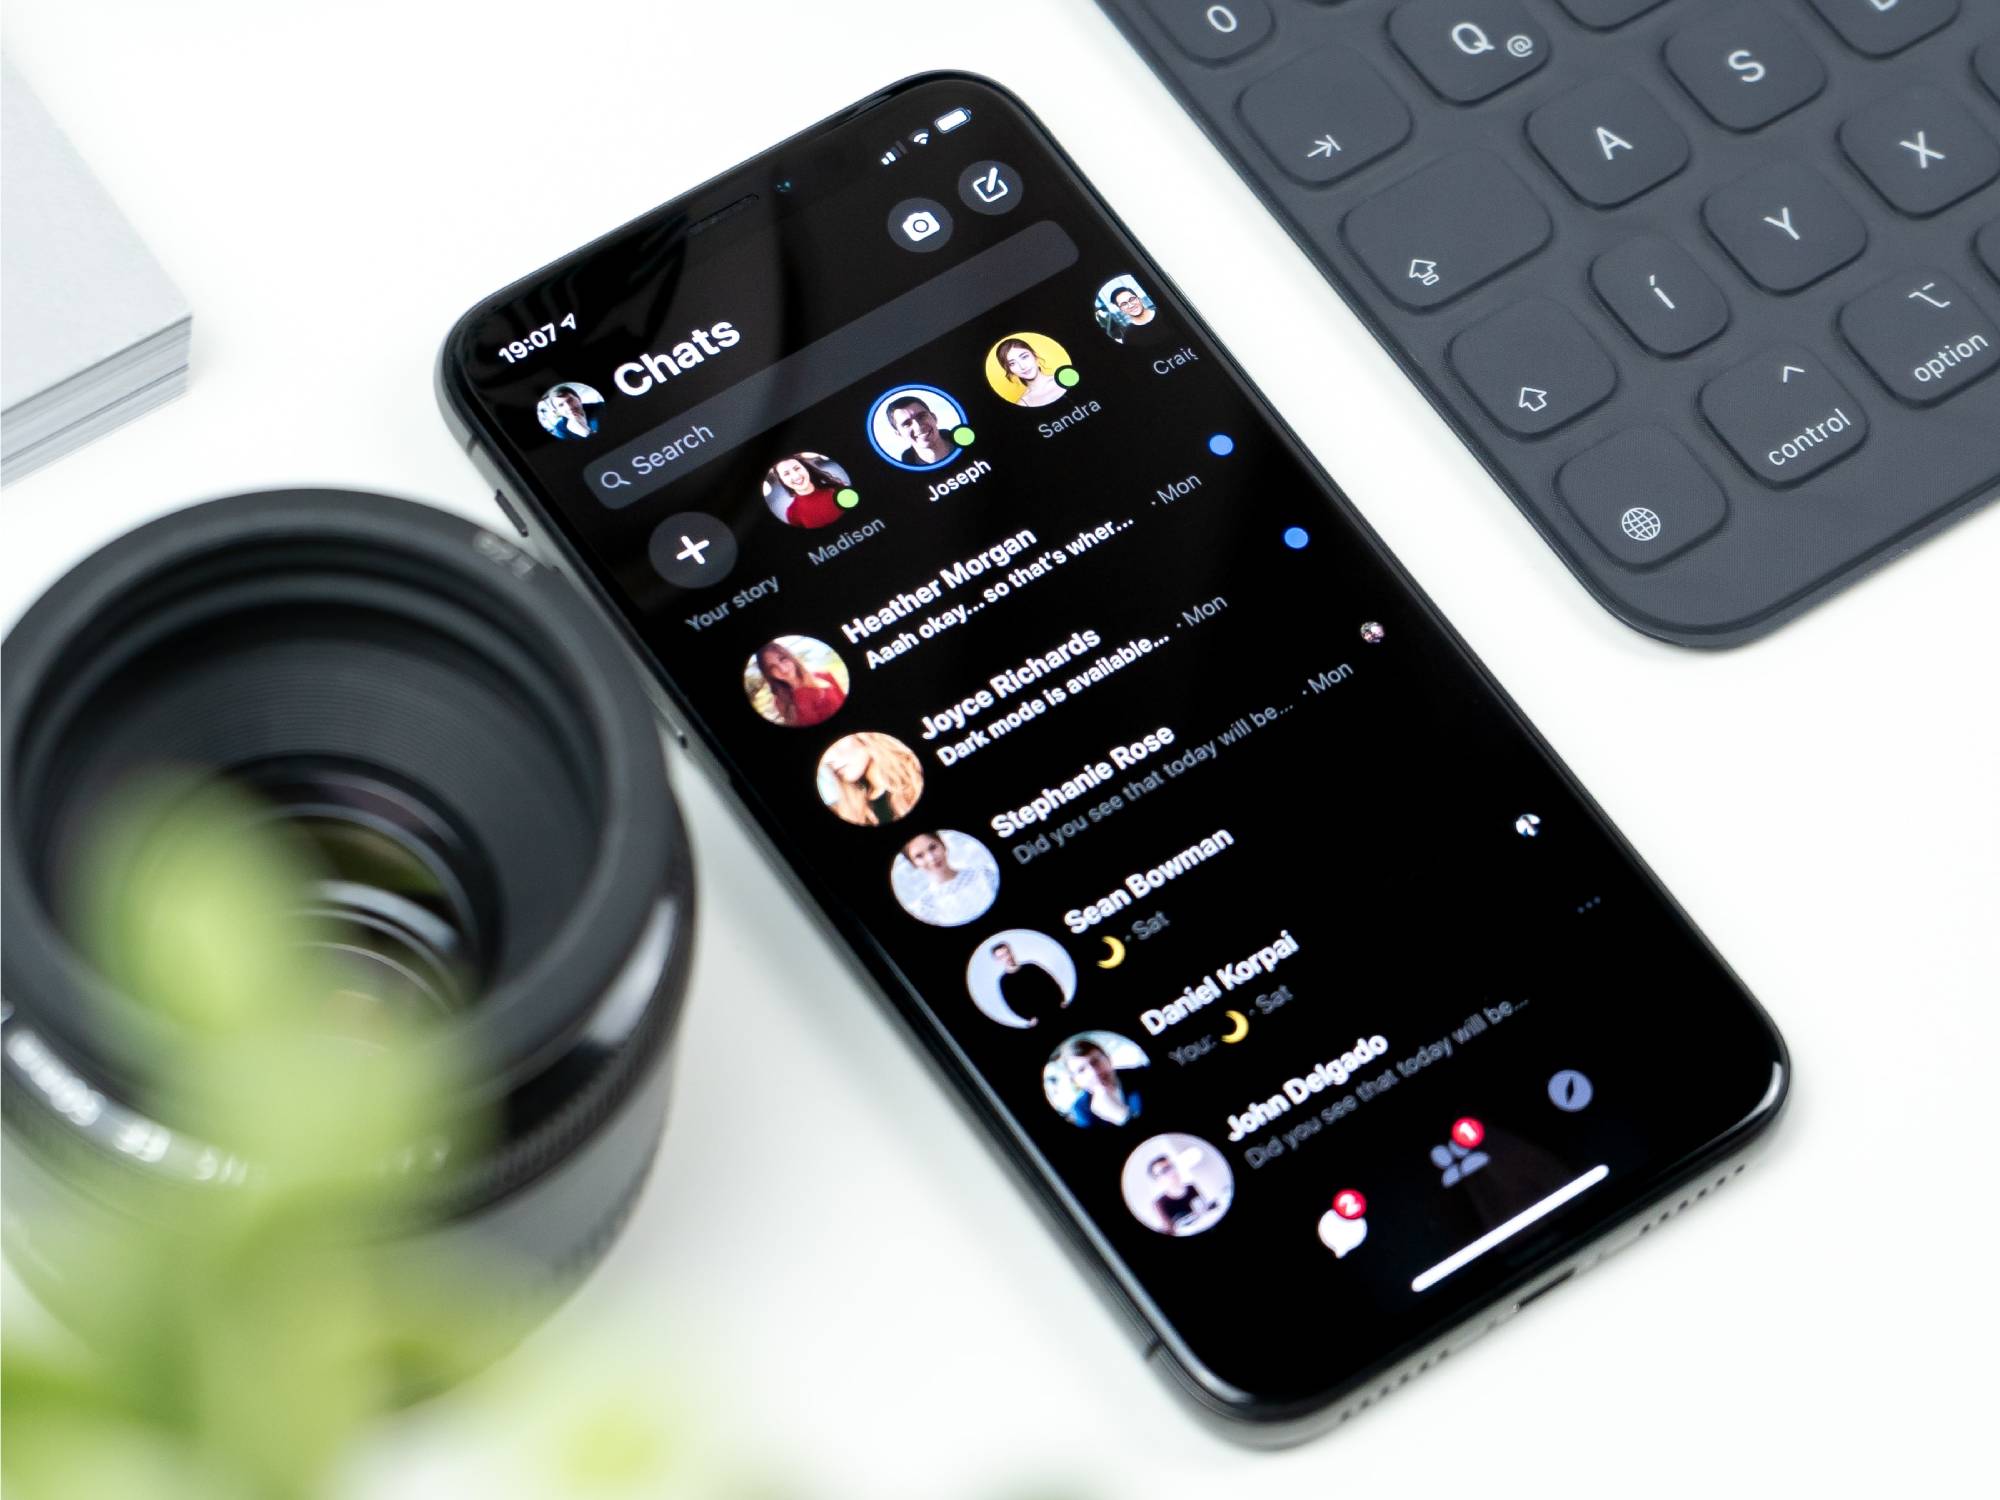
(920, 224)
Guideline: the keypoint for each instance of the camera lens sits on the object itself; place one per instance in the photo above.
(458, 753)
(783, 184)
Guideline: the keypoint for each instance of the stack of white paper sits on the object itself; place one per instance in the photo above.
(92, 332)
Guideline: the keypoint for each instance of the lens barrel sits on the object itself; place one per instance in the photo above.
(463, 749)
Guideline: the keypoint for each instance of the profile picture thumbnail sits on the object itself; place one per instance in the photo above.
(795, 681)
(809, 490)
(1029, 369)
(1177, 1184)
(870, 779)
(1125, 312)
(944, 877)
(1020, 977)
(918, 427)
(565, 410)
(1093, 1079)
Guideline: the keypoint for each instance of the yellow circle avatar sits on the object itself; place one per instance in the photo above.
(1028, 369)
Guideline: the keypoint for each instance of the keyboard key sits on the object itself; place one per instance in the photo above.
(1605, 14)
(1785, 226)
(1877, 28)
(1784, 416)
(1609, 141)
(1325, 115)
(1643, 497)
(1922, 149)
(1662, 297)
(1469, 49)
(1213, 33)
(1746, 66)
(1533, 367)
(1922, 336)
(1455, 225)
(1505, 183)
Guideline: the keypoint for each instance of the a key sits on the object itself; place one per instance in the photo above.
(1922, 336)
(1609, 141)
(1213, 33)
(1880, 27)
(1785, 226)
(1784, 416)
(1642, 496)
(1922, 149)
(1662, 297)
(1746, 66)
(1325, 115)
(1988, 245)
(1534, 367)
(1453, 226)
(1602, 15)
(1469, 49)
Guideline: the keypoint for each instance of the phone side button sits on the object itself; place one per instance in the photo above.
(507, 509)
(663, 708)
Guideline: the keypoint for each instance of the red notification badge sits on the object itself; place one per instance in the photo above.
(1467, 1131)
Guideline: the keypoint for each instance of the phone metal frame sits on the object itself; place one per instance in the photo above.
(1233, 1414)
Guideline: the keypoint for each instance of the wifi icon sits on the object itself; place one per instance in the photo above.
(920, 137)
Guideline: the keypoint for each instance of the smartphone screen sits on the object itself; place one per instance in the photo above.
(1312, 991)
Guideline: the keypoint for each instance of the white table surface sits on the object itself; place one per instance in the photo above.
(830, 1278)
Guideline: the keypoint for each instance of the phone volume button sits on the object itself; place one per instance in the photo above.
(507, 509)
(663, 709)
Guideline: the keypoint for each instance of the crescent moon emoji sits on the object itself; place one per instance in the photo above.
(1115, 956)
(1239, 1026)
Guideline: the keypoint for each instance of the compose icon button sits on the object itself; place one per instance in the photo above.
(692, 550)
(990, 187)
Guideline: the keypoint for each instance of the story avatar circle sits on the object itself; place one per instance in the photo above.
(809, 490)
(944, 877)
(918, 427)
(1092, 1079)
(1125, 312)
(1177, 1185)
(564, 410)
(869, 779)
(796, 681)
(1030, 369)
(1020, 977)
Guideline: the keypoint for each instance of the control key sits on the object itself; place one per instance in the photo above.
(1784, 416)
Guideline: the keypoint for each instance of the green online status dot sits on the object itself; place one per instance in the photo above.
(847, 499)
(962, 436)
(1067, 376)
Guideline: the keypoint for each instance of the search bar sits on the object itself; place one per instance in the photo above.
(682, 444)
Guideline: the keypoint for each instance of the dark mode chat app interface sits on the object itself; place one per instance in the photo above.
(1099, 725)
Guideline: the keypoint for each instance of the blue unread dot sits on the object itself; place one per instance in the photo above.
(1222, 445)
(1295, 537)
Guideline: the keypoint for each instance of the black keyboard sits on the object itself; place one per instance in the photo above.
(1708, 285)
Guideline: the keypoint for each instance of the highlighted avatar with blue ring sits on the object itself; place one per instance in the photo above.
(918, 427)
